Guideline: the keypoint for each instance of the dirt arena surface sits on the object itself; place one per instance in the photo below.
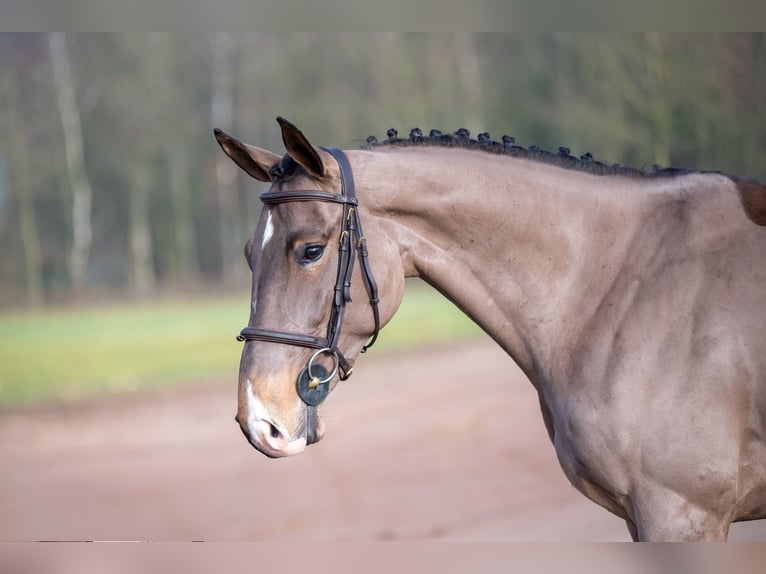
(442, 444)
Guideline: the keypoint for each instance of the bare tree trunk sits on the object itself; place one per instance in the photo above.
(18, 154)
(140, 234)
(222, 116)
(75, 161)
(152, 51)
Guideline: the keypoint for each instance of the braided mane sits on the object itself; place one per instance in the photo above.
(462, 139)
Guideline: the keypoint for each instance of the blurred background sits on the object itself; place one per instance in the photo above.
(121, 269)
(113, 191)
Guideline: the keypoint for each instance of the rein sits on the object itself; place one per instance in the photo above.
(312, 381)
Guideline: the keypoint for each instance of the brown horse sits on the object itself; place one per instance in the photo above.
(635, 302)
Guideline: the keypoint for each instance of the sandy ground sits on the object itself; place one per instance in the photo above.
(446, 444)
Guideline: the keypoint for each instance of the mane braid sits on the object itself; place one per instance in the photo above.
(462, 139)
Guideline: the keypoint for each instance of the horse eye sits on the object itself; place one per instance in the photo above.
(312, 253)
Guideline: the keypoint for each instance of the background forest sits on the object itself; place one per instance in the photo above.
(111, 184)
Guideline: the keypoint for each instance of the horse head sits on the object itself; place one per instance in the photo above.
(312, 309)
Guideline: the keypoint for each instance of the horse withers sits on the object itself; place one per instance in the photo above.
(635, 302)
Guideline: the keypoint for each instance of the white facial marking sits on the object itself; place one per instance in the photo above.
(268, 231)
(259, 424)
(256, 409)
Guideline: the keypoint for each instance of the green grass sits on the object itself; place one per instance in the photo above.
(68, 354)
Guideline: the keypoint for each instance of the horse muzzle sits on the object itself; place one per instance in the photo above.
(270, 435)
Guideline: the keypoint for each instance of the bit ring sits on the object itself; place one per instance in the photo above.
(316, 381)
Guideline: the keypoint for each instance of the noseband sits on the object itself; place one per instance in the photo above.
(313, 381)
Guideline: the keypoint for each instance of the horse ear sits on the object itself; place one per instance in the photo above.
(300, 149)
(256, 162)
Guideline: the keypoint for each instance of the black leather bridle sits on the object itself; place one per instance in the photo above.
(313, 381)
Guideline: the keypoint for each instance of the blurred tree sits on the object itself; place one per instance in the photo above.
(114, 173)
(172, 98)
(19, 154)
(82, 195)
(225, 70)
(146, 144)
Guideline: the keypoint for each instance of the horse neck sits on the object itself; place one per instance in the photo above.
(513, 243)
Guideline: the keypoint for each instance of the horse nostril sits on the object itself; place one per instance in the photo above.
(274, 431)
